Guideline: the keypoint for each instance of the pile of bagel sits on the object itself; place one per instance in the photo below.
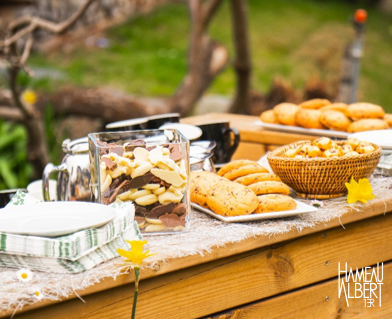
(322, 114)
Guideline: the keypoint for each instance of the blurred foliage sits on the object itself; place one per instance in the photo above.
(294, 40)
(15, 169)
(53, 139)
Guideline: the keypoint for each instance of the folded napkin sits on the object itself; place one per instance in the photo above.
(71, 253)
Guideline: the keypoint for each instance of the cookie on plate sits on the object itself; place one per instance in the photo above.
(233, 165)
(315, 104)
(269, 187)
(231, 199)
(274, 203)
(285, 113)
(245, 170)
(269, 117)
(341, 107)
(365, 111)
(367, 125)
(200, 183)
(257, 177)
(388, 119)
(308, 118)
(335, 120)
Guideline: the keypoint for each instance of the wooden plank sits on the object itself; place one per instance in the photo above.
(374, 208)
(240, 279)
(251, 151)
(318, 301)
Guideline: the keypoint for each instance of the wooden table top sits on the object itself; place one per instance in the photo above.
(254, 133)
(250, 132)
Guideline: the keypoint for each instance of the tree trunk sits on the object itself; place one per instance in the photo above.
(206, 59)
(242, 62)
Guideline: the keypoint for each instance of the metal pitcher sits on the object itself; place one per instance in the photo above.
(73, 180)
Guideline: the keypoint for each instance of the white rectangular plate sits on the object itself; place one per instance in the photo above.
(302, 130)
(301, 209)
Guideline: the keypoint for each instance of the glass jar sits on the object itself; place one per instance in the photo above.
(149, 168)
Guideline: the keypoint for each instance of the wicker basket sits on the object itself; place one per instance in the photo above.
(321, 178)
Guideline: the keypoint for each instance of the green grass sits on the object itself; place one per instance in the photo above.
(294, 40)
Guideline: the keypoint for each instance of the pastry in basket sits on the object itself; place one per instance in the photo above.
(274, 203)
(367, 125)
(388, 119)
(335, 120)
(233, 165)
(285, 113)
(365, 111)
(364, 147)
(269, 117)
(323, 143)
(353, 142)
(315, 104)
(341, 107)
(308, 118)
(325, 147)
(269, 187)
(231, 199)
(257, 177)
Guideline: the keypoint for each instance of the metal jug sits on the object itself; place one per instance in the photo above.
(73, 180)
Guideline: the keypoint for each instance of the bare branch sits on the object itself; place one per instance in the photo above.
(27, 49)
(11, 114)
(36, 22)
(209, 11)
(19, 22)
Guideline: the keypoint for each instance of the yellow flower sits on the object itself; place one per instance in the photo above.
(24, 275)
(361, 191)
(29, 97)
(136, 254)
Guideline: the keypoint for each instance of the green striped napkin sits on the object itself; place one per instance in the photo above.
(60, 265)
(72, 253)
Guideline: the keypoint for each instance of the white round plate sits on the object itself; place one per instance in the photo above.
(191, 132)
(53, 219)
(127, 123)
(383, 138)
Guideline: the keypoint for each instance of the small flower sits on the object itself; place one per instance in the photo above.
(361, 191)
(24, 275)
(29, 96)
(37, 293)
(136, 254)
(316, 203)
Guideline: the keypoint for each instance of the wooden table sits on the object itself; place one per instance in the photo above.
(255, 141)
(292, 275)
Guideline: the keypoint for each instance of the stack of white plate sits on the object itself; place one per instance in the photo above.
(383, 138)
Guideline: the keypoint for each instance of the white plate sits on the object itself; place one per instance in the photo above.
(53, 219)
(302, 130)
(130, 122)
(301, 209)
(383, 138)
(191, 132)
